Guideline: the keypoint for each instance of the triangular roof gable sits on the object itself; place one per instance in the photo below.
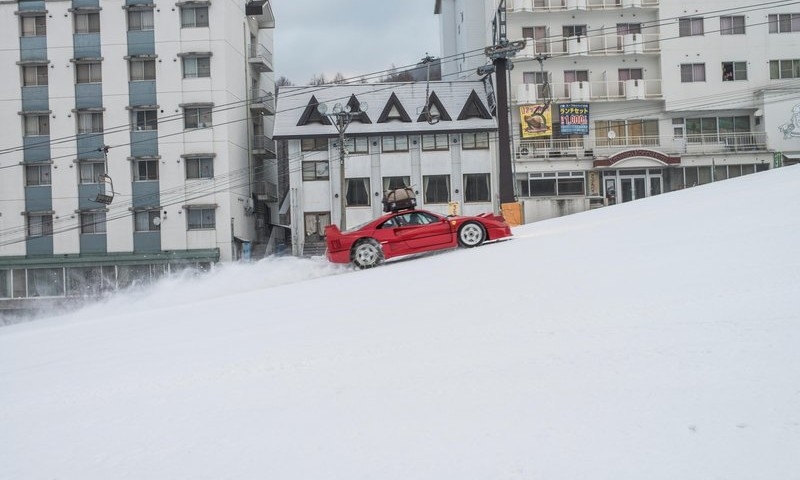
(401, 115)
(433, 101)
(312, 115)
(474, 108)
(355, 106)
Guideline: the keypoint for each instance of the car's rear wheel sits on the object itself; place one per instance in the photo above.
(367, 253)
(471, 234)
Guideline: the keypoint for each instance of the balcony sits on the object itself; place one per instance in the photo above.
(528, 93)
(594, 45)
(723, 143)
(263, 146)
(566, 5)
(262, 101)
(260, 58)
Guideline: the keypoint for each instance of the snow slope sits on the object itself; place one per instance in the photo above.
(651, 340)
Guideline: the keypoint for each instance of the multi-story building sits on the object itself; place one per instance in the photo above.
(445, 151)
(616, 100)
(137, 140)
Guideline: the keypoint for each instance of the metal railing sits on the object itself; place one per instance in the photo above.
(608, 44)
(263, 145)
(649, 89)
(558, 5)
(262, 99)
(261, 53)
(690, 144)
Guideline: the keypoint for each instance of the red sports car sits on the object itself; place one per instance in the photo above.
(410, 231)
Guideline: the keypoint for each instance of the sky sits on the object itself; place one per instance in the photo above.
(656, 339)
(351, 37)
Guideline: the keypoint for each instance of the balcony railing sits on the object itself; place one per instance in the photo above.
(559, 5)
(263, 145)
(260, 57)
(691, 144)
(590, 91)
(261, 100)
(609, 44)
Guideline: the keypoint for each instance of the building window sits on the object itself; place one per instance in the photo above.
(690, 26)
(693, 72)
(139, 20)
(90, 122)
(732, 71)
(87, 22)
(626, 132)
(313, 171)
(145, 119)
(40, 225)
(34, 75)
(475, 141)
(393, 183)
(201, 218)
(194, 16)
(197, 67)
(546, 184)
(715, 129)
(142, 69)
(436, 188)
(780, 69)
(541, 80)
(784, 23)
(197, 117)
(145, 221)
(394, 143)
(34, 26)
(476, 187)
(357, 192)
(313, 144)
(37, 175)
(90, 172)
(438, 141)
(93, 222)
(357, 144)
(731, 25)
(199, 167)
(37, 125)
(89, 72)
(145, 170)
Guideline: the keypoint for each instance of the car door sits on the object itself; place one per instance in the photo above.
(422, 231)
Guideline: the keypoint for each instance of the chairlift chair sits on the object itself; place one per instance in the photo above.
(106, 193)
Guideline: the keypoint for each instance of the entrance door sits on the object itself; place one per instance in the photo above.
(633, 188)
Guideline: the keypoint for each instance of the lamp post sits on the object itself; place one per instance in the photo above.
(341, 117)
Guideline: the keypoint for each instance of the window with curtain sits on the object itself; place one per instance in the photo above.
(37, 125)
(139, 20)
(393, 183)
(142, 69)
(475, 141)
(34, 26)
(394, 143)
(315, 171)
(438, 141)
(197, 66)
(200, 218)
(357, 144)
(89, 72)
(93, 222)
(197, 117)
(690, 26)
(199, 167)
(436, 188)
(40, 225)
(357, 192)
(87, 22)
(37, 175)
(145, 170)
(476, 187)
(693, 72)
(731, 25)
(90, 172)
(90, 122)
(314, 144)
(782, 69)
(145, 119)
(784, 22)
(194, 16)
(34, 75)
(145, 221)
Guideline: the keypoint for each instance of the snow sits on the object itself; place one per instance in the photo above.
(654, 340)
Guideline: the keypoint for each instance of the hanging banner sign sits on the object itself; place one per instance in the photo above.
(574, 118)
(536, 121)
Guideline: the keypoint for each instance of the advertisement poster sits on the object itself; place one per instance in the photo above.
(574, 118)
(536, 121)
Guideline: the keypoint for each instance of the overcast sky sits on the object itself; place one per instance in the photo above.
(354, 37)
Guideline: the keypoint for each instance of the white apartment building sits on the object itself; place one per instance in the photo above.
(447, 156)
(137, 140)
(644, 96)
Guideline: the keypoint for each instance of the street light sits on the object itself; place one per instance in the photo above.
(341, 117)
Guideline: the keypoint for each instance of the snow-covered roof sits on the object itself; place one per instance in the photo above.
(392, 108)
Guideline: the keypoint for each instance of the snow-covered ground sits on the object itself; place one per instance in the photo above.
(652, 340)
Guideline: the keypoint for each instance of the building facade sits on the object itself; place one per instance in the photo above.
(137, 140)
(445, 151)
(617, 100)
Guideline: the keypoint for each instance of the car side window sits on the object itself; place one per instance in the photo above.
(389, 223)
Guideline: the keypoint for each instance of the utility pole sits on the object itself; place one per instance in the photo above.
(499, 53)
(341, 117)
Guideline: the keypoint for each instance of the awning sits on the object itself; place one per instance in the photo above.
(792, 156)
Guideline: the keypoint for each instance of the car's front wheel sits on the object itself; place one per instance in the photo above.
(471, 234)
(367, 253)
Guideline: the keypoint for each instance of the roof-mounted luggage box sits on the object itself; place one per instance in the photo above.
(399, 199)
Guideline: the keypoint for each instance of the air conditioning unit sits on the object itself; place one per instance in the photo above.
(524, 152)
